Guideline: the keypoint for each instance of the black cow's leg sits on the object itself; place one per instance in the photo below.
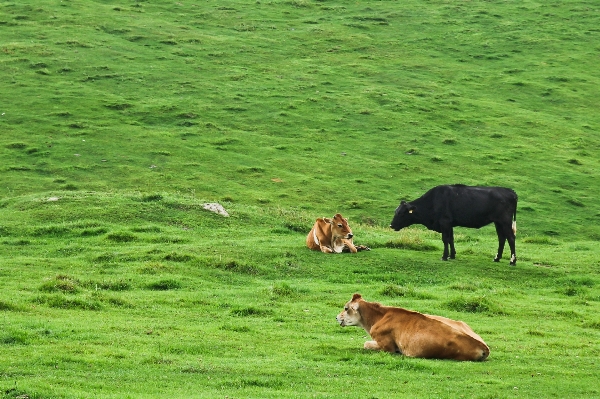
(451, 242)
(501, 241)
(446, 240)
(511, 243)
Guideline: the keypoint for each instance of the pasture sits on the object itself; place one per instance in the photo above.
(120, 119)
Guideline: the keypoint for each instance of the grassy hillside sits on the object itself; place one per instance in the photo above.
(309, 104)
(119, 119)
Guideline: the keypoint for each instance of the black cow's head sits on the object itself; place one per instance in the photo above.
(404, 216)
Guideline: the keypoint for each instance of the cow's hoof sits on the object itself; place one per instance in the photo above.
(452, 256)
(496, 259)
(513, 263)
(444, 259)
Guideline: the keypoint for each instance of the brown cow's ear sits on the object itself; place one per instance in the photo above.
(327, 220)
(356, 297)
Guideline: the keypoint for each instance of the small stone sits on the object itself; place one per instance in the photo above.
(216, 208)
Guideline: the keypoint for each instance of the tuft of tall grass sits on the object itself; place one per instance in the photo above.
(394, 291)
(14, 338)
(592, 324)
(478, 304)
(236, 267)
(283, 290)
(61, 283)
(250, 311)
(62, 302)
(540, 240)
(121, 237)
(179, 257)
(164, 285)
(107, 285)
(152, 198)
(8, 306)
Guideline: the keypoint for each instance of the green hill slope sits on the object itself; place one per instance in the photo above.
(314, 104)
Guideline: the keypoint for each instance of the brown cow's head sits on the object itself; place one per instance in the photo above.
(340, 228)
(351, 316)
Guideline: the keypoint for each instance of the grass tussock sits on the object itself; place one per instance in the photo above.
(121, 237)
(237, 267)
(164, 285)
(592, 324)
(153, 268)
(540, 240)
(55, 230)
(283, 290)
(8, 307)
(179, 257)
(147, 229)
(94, 232)
(250, 311)
(152, 198)
(579, 281)
(464, 287)
(235, 328)
(395, 291)
(573, 291)
(295, 227)
(479, 304)
(107, 285)
(4, 231)
(14, 338)
(536, 333)
(413, 243)
(61, 283)
(68, 303)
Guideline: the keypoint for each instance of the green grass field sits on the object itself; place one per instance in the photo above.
(120, 119)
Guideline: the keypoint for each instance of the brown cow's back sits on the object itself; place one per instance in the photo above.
(459, 325)
(428, 337)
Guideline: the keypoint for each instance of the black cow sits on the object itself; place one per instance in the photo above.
(444, 207)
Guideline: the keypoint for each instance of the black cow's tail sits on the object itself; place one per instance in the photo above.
(514, 223)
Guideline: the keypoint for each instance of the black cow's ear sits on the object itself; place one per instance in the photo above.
(402, 202)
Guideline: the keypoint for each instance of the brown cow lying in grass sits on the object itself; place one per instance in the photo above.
(332, 236)
(413, 334)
